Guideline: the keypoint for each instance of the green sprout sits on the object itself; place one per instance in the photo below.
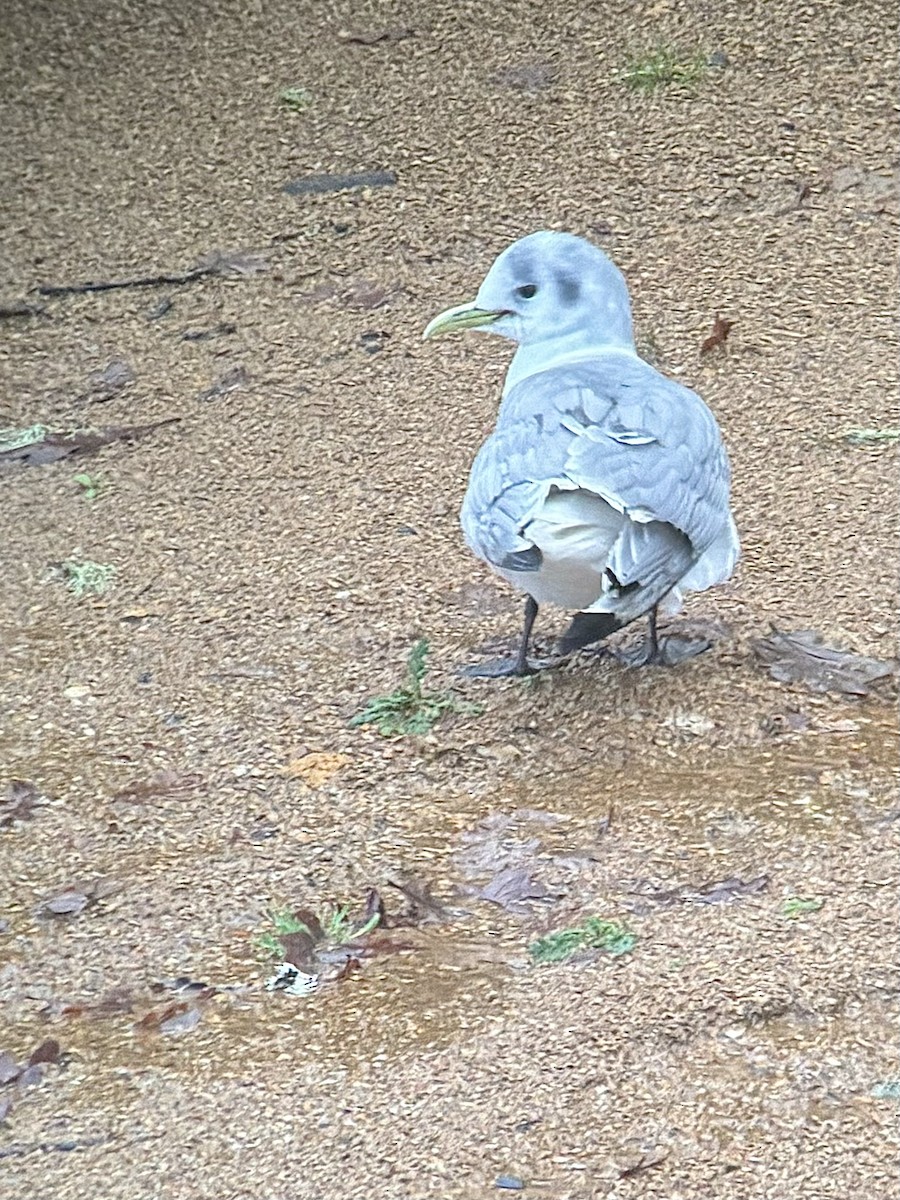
(336, 928)
(410, 709)
(796, 906)
(663, 66)
(594, 934)
(88, 578)
(92, 485)
(299, 99)
(340, 929)
(283, 922)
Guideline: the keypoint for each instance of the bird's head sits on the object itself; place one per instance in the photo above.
(546, 287)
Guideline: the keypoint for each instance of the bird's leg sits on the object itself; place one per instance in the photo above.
(667, 652)
(519, 665)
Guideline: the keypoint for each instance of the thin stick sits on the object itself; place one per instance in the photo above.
(109, 285)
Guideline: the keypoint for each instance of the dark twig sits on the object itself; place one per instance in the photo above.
(20, 309)
(109, 285)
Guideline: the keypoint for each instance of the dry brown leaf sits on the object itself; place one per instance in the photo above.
(316, 768)
(512, 887)
(719, 336)
(162, 785)
(61, 444)
(803, 657)
(19, 802)
(46, 1052)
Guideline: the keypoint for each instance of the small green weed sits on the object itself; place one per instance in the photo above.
(796, 906)
(662, 66)
(335, 928)
(871, 437)
(88, 578)
(594, 934)
(92, 485)
(890, 1090)
(299, 99)
(410, 709)
(340, 929)
(283, 922)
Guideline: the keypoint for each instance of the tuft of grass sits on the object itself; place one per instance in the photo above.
(871, 437)
(796, 906)
(298, 99)
(91, 485)
(88, 578)
(411, 709)
(283, 922)
(16, 439)
(337, 929)
(593, 934)
(663, 66)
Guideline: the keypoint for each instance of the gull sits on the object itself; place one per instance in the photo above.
(604, 487)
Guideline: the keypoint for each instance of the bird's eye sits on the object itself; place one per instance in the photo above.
(526, 291)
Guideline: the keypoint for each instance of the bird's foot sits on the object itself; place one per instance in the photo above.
(666, 652)
(504, 668)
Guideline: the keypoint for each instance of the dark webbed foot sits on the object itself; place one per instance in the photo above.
(501, 668)
(662, 652)
(667, 652)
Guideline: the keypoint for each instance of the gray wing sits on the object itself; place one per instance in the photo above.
(616, 428)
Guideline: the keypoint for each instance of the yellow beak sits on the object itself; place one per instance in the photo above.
(464, 316)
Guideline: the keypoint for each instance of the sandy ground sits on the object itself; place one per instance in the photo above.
(281, 547)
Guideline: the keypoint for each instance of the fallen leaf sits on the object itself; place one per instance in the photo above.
(350, 967)
(234, 262)
(315, 768)
(19, 802)
(223, 329)
(493, 846)
(46, 1052)
(364, 294)
(727, 889)
(717, 892)
(644, 1163)
(236, 377)
(511, 887)
(115, 376)
(719, 336)
(9, 1068)
(156, 1017)
(74, 900)
(803, 657)
(162, 785)
(529, 77)
(30, 1076)
(396, 33)
(48, 446)
(181, 1022)
(67, 903)
(421, 906)
(299, 948)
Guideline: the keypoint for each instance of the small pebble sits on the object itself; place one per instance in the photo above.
(510, 1183)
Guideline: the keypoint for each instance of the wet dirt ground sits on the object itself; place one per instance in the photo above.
(280, 548)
